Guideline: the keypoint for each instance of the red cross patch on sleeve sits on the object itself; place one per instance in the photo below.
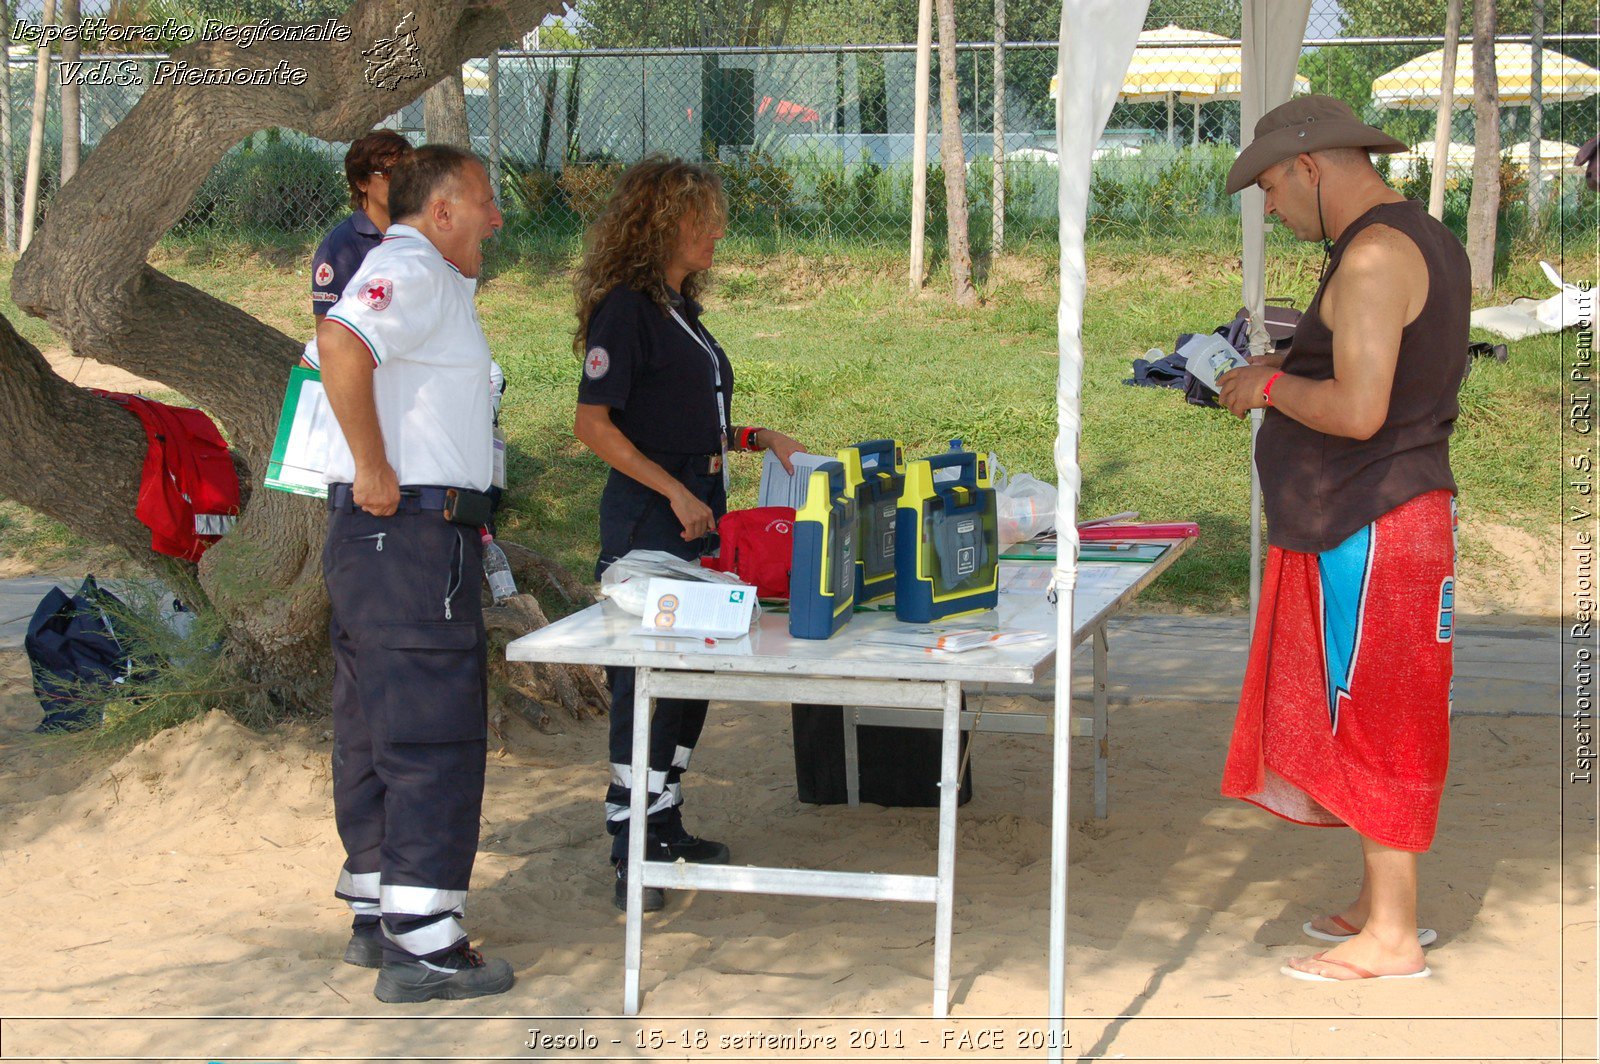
(596, 363)
(377, 292)
(324, 274)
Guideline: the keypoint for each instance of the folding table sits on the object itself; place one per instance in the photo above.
(769, 666)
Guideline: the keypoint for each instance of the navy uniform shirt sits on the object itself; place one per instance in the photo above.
(337, 257)
(655, 377)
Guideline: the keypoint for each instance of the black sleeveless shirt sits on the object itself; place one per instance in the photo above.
(1319, 489)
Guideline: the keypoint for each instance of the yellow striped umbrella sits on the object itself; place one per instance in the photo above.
(1228, 89)
(1415, 84)
(1197, 67)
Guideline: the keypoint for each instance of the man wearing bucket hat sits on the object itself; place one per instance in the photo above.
(1344, 716)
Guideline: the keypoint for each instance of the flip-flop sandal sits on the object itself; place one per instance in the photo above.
(1426, 936)
(1361, 973)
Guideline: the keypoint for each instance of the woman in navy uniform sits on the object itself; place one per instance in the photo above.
(367, 166)
(653, 402)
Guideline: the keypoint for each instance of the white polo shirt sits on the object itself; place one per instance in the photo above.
(414, 311)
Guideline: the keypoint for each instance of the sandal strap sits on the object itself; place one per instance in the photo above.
(1361, 973)
(1344, 925)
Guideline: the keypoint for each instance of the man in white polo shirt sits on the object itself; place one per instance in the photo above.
(406, 368)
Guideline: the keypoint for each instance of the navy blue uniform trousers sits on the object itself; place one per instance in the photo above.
(410, 720)
(633, 517)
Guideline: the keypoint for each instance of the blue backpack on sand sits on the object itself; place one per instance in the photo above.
(72, 647)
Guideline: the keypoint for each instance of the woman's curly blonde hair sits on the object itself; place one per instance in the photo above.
(632, 240)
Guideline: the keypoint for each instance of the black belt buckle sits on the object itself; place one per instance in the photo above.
(463, 506)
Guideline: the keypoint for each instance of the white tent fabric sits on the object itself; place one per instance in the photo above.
(1097, 42)
(1273, 30)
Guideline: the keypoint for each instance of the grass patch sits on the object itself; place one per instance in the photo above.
(827, 346)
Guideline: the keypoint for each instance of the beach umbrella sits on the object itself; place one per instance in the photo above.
(1163, 69)
(1554, 156)
(1416, 83)
(1404, 163)
(1229, 88)
(1174, 63)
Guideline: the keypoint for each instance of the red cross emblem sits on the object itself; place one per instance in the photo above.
(596, 363)
(377, 292)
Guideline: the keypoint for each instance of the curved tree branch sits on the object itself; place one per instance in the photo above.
(86, 274)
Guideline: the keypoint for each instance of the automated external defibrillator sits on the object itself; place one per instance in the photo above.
(947, 551)
(822, 580)
(875, 473)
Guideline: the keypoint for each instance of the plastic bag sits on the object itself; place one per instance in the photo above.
(1025, 506)
(626, 581)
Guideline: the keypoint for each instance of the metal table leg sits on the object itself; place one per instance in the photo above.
(639, 797)
(1102, 725)
(949, 794)
(852, 756)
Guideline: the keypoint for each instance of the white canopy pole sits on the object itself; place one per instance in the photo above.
(1447, 104)
(1097, 42)
(919, 149)
(1272, 32)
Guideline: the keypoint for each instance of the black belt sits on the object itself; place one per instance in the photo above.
(413, 498)
(707, 464)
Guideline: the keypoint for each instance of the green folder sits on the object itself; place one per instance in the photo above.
(300, 450)
(1104, 551)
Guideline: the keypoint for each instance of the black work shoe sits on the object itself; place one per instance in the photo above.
(683, 846)
(461, 974)
(365, 949)
(655, 899)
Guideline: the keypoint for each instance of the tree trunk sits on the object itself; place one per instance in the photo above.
(953, 154)
(71, 127)
(444, 112)
(997, 195)
(1446, 113)
(919, 146)
(87, 276)
(7, 171)
(494, 120)
(1484, 209)
(1536, 115)
(41, 101)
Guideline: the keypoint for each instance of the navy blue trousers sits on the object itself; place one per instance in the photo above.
(410, 720)
(633, 517)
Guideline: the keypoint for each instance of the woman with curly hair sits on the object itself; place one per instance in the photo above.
(654, 402)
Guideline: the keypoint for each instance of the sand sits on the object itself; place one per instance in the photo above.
(185, 887)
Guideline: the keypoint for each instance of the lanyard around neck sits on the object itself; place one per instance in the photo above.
(716, 369)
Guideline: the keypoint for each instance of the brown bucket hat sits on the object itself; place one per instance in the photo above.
(1304, 124)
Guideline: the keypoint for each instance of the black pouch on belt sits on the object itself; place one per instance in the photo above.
(463, 506)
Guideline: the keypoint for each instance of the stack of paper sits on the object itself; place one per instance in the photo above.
(781, 488)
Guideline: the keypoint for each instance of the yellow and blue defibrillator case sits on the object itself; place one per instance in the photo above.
(822, 580)
(875, 475)
(947, 551)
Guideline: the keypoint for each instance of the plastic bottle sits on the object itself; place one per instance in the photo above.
(502, 585)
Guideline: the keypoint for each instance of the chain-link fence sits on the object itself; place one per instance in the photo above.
(817, 142)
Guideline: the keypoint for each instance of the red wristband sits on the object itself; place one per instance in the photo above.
(747, 438)
(1266, 389)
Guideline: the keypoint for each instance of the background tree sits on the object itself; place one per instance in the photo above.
(1485, 206)
(953, 157)
(71, 127)
(444, 112)
(87, 276)
(685, 23)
